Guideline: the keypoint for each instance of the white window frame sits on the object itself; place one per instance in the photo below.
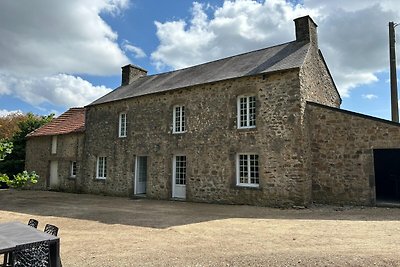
(101, 168)
(180, 172)
(73, 169)
(179, 120)
(248, 170)
(122, 130)
(54, 144)
(249, 120)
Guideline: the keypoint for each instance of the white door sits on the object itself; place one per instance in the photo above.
(140, 175)
(179, 177)
(54, 182)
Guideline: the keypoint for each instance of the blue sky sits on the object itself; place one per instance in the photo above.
(60, 54)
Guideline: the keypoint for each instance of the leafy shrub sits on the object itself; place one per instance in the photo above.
(19, 180)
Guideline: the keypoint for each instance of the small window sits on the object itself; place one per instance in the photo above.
(73, 169)
(179, 124)
(101, 168)
(247, 170)
(54, 144)
(122, 125)
(246, 112)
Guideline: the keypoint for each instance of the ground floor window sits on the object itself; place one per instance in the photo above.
(101, 168)
(73, 169)
(247, 170)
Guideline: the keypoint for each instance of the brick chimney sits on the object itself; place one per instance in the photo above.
(306, 30)
(131, 73)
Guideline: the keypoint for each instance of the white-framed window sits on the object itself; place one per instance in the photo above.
(54, 144)
(180, 170)
(179, 122)
(247, 170)
(246, 112)
(122, 125)
(101, 172)
(73, 169)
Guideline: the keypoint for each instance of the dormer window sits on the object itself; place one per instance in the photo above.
(246, 112)
(179, 122)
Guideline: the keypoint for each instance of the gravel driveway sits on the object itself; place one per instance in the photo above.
(111, 231)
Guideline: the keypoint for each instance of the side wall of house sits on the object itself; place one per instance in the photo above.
(39, 157)
(316, 83)
(317, 86)
(342, 144)
(210, 144)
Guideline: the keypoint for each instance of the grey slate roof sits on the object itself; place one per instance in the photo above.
(276, 58)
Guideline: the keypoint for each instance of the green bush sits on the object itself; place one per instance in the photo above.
(19, 180)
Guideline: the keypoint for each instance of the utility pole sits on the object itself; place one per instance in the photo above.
(393, 73)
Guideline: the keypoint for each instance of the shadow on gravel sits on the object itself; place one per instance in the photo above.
(163, 214)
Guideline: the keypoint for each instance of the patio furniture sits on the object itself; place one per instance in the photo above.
(14, 234)
(51, 229)
(33, 255)
(34, 223)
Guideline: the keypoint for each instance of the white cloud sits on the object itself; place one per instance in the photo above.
(136, 51)
(46, 37)
(235, 27)
(369, 96)
(60, 90)
(43, 38)
(352, 34)
(5, 113)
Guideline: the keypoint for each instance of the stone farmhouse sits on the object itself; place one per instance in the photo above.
(260, 128)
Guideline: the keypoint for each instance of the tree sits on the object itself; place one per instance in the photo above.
(14, 163)
(9, 124)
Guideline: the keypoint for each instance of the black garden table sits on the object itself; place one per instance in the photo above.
(13, 234)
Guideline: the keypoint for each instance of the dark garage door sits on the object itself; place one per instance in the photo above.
(387, 174)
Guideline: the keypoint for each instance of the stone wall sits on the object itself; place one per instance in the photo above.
(39, 156)
(210, 143)
(342, 144)
(316, 82)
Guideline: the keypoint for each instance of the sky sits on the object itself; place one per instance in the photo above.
(60, 54)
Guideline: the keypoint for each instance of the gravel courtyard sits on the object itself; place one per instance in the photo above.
(111, 231)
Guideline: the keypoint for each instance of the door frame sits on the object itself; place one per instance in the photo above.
(174, 177)
(53, 169)
(136, 176)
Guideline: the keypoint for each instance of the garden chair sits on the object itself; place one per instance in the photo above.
(33, 255)
(51, 229)
(34, 223)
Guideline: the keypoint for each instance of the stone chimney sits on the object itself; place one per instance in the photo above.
(306, 30)
(131, 73)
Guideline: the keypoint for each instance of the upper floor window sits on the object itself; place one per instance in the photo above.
(73, 169)
(247, 170)
(54, 144)
(122, 125)
(179, 123)
(246, 110)
(101, 172)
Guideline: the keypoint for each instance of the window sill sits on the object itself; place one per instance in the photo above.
(246, 128)
(72, 177)
(248, 186)
(100, 179)
(178, 132)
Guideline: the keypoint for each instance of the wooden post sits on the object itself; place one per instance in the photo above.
(393, 74)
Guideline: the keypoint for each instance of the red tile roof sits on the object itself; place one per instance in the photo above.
(71, 121)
